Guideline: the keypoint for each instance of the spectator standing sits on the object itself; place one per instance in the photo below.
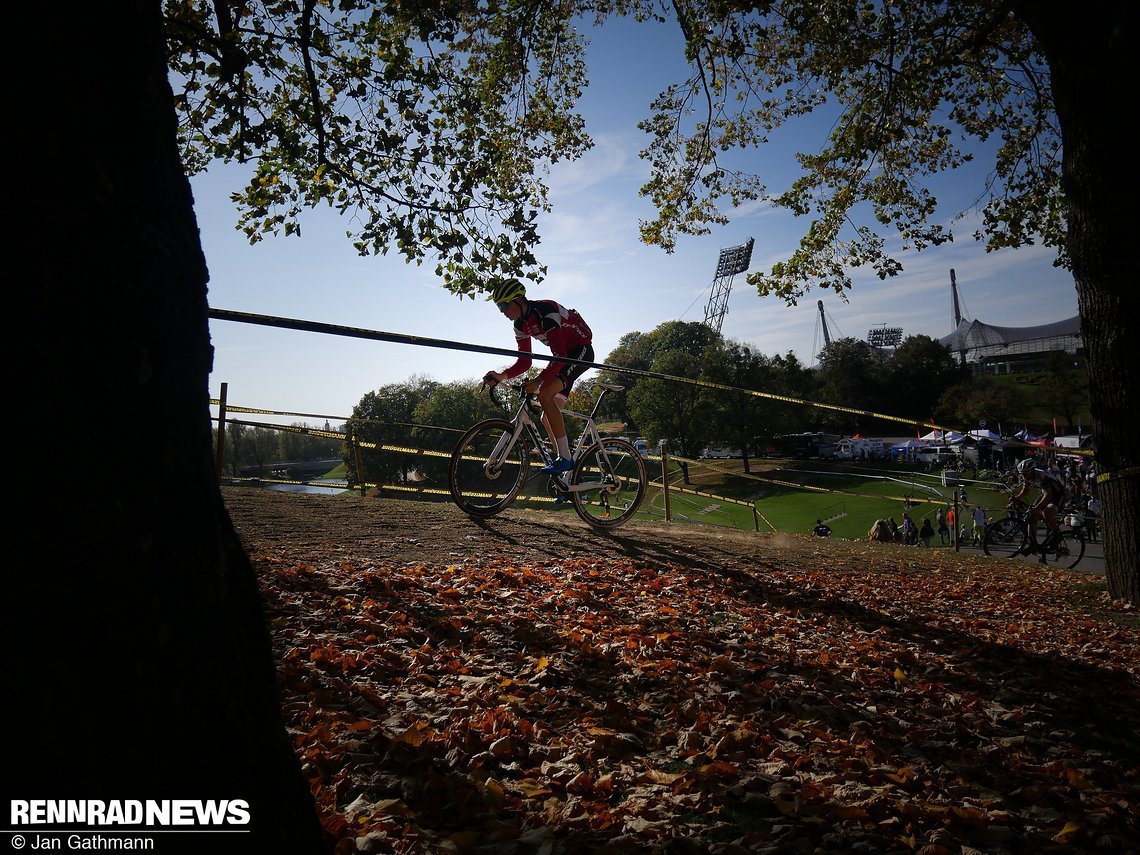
(909, 530)
(952, 523)
(943, 529)
(1092, 517)
(979, 533)
(926, 533)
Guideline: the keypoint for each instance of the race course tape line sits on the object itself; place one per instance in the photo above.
(425, 452)
(420, 341)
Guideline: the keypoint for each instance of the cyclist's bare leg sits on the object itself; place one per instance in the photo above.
(1042, 511)
(548, 397)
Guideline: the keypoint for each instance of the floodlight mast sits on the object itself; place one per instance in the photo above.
(884, 336)
(823, 321)
(955, 311)
(733, 260)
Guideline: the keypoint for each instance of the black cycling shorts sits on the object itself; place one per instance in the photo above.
(570, 373)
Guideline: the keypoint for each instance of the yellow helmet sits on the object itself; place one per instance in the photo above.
(505, 290)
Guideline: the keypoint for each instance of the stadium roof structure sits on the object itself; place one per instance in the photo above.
(979, 340)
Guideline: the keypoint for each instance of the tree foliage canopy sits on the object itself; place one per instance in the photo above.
(911, 85)
(430, 124)
(434, 125)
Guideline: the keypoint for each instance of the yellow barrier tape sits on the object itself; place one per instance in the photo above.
(702, 494)
(793, 485)
(402, 449)
(308, 431)
(400, 338)
(767, 522)
(404, 488)
(332, 485)
(1122, 473)
(234, 408)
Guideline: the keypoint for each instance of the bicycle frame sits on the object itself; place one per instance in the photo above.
(524, 423)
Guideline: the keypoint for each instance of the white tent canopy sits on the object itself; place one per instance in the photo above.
(910, 443)
(985, 434)
(951, 436)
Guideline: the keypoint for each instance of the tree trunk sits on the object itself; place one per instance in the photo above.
(1090, 54)
(143, 667)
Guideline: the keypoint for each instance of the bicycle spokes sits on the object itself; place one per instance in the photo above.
(612, 470)
(487, 468)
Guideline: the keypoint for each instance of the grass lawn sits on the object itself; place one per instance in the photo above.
(791, 495)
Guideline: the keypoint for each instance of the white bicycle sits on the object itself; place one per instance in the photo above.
(490, 465)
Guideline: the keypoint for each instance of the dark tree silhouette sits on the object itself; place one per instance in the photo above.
(144, 668)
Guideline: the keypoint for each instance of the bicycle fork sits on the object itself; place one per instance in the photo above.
(493, 465)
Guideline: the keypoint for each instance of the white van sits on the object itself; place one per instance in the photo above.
(719, 453)
(940, 455)
(858, 448)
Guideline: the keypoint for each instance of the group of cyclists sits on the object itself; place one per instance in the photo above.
(1053, 497)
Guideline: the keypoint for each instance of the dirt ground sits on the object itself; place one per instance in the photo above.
(308, 525)
(528, 684)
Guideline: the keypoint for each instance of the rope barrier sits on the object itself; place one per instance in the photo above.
(424, 452)
(420, 341)
(215, 402)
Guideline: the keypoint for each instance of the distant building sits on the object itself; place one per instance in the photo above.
(1014, 350)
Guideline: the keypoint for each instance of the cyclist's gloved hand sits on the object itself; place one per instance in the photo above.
(491, 378)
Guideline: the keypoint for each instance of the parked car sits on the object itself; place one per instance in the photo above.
(642, 447)
(719, 453)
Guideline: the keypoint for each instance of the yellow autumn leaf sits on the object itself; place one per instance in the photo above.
(1070, 830)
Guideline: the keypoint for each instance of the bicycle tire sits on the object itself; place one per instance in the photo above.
(620, 466)
(478, 491)
(1070, 551)
(1005, 538)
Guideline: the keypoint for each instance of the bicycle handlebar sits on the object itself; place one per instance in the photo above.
(514, 387)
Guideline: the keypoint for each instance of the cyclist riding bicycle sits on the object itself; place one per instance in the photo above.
(1052, 493)
(567, 335)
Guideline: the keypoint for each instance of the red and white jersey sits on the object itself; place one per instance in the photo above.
(559, 328)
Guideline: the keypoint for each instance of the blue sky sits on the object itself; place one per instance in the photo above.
(596, 265)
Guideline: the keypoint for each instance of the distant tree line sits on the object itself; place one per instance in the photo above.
(261, 447)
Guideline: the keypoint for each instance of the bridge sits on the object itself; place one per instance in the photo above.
(298, 470)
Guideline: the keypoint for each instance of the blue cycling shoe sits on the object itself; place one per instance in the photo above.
(560, 465)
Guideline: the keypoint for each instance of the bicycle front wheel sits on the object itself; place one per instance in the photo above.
(614, 473)
(1068, 550)
(487, 468)
(1004, 538)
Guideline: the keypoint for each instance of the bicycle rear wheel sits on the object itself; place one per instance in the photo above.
(1004, 538)
(617, 471)
(1068, 550)
(486, 470)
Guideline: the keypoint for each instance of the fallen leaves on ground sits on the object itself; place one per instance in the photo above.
(614, 705)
